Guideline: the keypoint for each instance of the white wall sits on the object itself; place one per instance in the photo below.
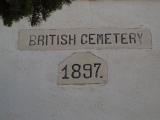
(28, 89)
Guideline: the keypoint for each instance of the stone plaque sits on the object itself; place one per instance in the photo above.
(84, 38)
(82, 68)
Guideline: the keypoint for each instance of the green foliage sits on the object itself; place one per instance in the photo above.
(36, 10)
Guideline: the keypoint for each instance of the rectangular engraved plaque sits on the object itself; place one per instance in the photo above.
(85, 38)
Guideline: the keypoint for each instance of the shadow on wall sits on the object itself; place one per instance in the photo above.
(36, 10)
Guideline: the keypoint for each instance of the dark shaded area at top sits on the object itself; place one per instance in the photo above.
(36, 10)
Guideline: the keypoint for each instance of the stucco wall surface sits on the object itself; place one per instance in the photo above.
(28, 89)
